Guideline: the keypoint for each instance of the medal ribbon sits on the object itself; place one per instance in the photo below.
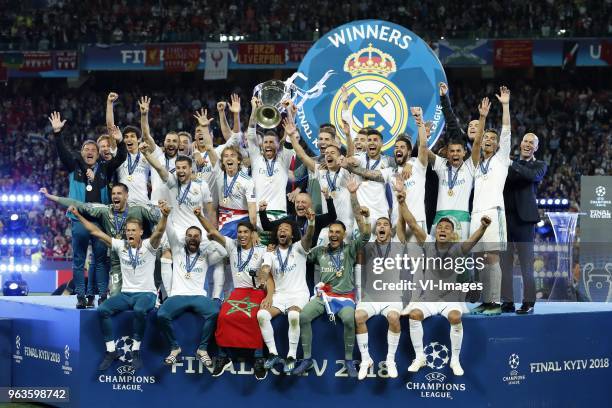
(132, 166)
(283, 264)
(227, 190)
(242, 265)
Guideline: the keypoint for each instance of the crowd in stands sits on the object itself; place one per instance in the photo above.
(57, 24)
(572, 123)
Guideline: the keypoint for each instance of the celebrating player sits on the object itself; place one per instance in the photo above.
(335, 294)
(138, 292)
(448, 303)
(491, 171)
(185, 287)
(289, 294)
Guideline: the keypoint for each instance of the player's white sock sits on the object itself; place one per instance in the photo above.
(416, 336)
(392, 342)
(357, 277)
(267, 332)
(362, 343)
(495, 282)
(294, 332)
(135, 345)
(456, 338)
(166, 274)
(110, 346)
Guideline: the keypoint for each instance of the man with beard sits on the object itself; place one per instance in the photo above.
(89, 179)
(489, 180)
(237, 325)
(331, 177)
(185, 287)
(410, 170)
(134, 172)
(112, 220)
(288, 292)
(372, 194)
(185, 195)
(438, 300)
(335, 294)
(138, 292)
(159, 190)
(270, 163)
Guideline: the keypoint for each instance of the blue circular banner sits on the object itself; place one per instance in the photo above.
(386, 69)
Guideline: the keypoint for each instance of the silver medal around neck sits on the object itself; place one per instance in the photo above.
(89, 187)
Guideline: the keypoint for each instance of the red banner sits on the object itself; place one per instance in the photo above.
(513, 53)
(297, 50)
(262, 53)
(37, 61)
(66, 60)
(182, 58)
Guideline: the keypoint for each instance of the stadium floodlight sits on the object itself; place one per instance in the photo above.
(540, 224)
(26, 241)
(14, 217)
(3, 268)
(34, 268)
(12, 198)
(5, 197)
(35, 198)
(549, 201)
(3, 241)
(19, 198)
(34, 241)
(557, 201)
(19, 241)
(26, 268)
(565, 201)
(27, 198)
(11, 241)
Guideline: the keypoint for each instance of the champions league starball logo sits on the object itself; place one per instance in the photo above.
(385, 69)
(124, 348)
(437, 355)
(514, 361)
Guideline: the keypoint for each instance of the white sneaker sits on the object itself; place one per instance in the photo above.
(391, 369)
(364, 367)
(417, 364)
(456, 367)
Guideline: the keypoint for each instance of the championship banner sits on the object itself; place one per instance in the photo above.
(66, 60)
(181, 58)
(513, 53)
(216, 61)
(262, 53)
(386, 69)
(298, 50)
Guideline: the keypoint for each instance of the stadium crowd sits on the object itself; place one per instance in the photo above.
(571, 122)
(51, 24)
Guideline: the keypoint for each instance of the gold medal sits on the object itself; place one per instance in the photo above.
(333, 195)
(224, 201)
(187, 275)
(339, 274)
(484, 176)
(450, 193)
(130, 177)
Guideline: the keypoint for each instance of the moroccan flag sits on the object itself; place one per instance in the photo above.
(237, 324)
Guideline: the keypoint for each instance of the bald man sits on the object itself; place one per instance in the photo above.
(298, 215)
(521, 216)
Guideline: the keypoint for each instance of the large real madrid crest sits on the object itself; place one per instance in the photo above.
(385, 68)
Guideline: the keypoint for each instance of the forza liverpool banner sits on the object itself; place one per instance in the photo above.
(385, 68)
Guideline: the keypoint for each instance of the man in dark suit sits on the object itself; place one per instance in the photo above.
(521, 214)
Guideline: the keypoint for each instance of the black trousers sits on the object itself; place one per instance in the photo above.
(520, 240)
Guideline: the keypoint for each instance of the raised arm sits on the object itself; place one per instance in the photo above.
(468, 244)
(152, 160)
(209, 227)
(453, 127)
(91, 227)
(505, 143)
(406, 215)
(235, 109)
(110, 116)
(347, 123)
(66, 155)
(144, 104)
(359, 212)
(203, 121)
(483, 110)
(225, 129)
(307, 238)
(291, 131)
(417, 112)
(400, 227)
(118, 159)
(158, 233)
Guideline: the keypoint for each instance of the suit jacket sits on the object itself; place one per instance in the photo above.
(520, 189)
